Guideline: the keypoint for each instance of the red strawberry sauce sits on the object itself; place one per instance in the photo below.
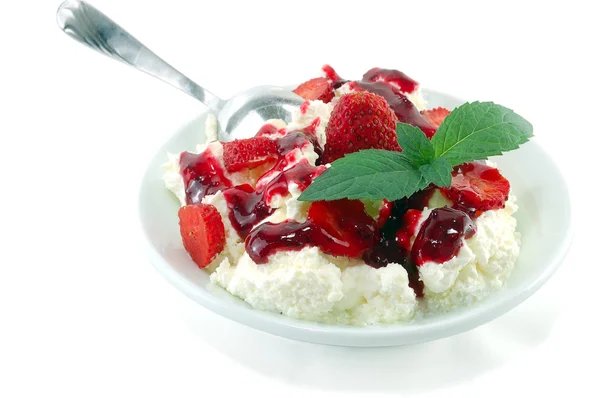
(391, 249)
(392, 76)
(248, 207)
(203, 175)
(440, 237)
(339, 228)
(269, 238)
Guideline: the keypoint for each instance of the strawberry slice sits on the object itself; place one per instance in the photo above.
(435, 116)
(248, 153)
(316, 89)
(348, 230)
(202, 232)
(331, 74)
(477, 187)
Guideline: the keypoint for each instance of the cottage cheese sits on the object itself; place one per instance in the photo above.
(311, 285)
(305, 284)
(305, 116)
(234, 245)
(374, 296)
(483, 264)
(288, 207)
(302, 284)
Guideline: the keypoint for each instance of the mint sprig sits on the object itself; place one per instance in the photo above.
(473, 131)
(368, 174)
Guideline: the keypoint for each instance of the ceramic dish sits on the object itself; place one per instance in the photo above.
(544, 221)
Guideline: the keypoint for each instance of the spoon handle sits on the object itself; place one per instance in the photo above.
(89, 26)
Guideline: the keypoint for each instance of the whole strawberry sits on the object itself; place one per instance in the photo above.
(360, 120)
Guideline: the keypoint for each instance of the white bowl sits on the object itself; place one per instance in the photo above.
(544, 220)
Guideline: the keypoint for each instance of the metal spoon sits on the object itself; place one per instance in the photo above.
(239, 117)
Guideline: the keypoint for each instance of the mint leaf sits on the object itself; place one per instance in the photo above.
(437, 172)
(369, 174)
(477, 130)
(415, 144)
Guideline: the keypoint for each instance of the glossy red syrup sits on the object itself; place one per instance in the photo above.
(301, 174)
(393, 77)
(202, 175)
(304, 107)
(298, 139)
(339, 228)
(269, 238)
(294, 140)
(267, 130)
(247, 207)
(441, 236)
(394, 243)
(399, 225)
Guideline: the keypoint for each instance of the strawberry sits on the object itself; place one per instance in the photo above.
(435, 116)
(248, 153)
(331, 74)
(316, 89)
(202, 232)
(349, 230)
(360, 120)
(477, 187)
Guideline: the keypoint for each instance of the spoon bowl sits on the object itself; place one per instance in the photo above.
(241, 116)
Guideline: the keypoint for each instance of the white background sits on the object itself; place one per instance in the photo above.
(83, 313)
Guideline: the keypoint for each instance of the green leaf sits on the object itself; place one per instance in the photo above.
(415, 144)
(477, 130)
(438, 172)
(368, 174)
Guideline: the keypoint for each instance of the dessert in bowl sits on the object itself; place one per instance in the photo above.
(280, 222)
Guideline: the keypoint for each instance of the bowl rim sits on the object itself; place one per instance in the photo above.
(374, 335)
